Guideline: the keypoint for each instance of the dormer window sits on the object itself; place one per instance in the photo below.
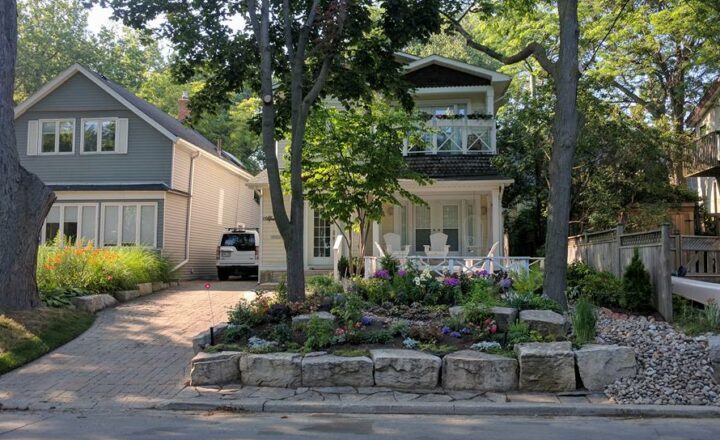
(57, 136)
(99, 135)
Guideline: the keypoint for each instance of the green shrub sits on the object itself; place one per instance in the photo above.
(323, 285)
(637, 290)
(519, 333)
(318, 333)
(245, 314)
(584, 320)
(70, 268)
(576, 272)
(601, 288)
(540, 302)
(236, 333)
(694, 320)
(483, 291)
(359, 337)
(378, 290)
(530, 281)
(353, 352)
(281, 333)
(343, 266)
(456, 323)
(401, 327)
(476, 312)
(389, 263)
(282, 293)
(351, 310)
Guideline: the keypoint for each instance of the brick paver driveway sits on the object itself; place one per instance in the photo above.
(134, 355)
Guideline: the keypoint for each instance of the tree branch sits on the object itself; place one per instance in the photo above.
(649, 106)
(533, 49)
(607, 34)
(288, 30)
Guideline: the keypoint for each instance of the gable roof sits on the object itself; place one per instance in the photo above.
(158, 119)
(705, 102)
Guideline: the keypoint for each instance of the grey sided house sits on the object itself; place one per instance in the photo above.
(126, 173)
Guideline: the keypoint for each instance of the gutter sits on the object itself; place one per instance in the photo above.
(188, 216)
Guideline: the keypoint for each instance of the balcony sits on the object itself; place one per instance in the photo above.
(472, 134)
(705, 159)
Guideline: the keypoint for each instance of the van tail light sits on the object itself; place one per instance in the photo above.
(257, 252)
(217, 252)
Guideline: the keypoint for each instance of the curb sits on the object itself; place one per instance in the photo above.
(445, 408)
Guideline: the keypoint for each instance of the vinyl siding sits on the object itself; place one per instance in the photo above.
(181, 169)
(272, 247)
(220, 200)
(175, 231)
(149, 154)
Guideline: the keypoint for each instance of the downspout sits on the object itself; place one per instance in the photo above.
(188, 216)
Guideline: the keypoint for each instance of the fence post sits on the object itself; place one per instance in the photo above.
(678, 252)
(663, 289)
(619, 231)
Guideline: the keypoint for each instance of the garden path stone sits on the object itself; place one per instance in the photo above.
(601, 365)
(331, 370)
(215, 368)
(399, 368)
(93, 303)
(271, 369)
(303, 319)
(548, 367)
(473, 370)
(545, 322)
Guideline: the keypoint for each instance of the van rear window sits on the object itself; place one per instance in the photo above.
(241, 242)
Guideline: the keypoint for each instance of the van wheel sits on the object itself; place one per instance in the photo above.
(223, 275)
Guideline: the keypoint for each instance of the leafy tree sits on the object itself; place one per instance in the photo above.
(291, 54)
(24, 198)
(565, 73)
(353, 165)
(53, 35)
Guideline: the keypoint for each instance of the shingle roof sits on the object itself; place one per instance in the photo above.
(708, 98)
(455, 166)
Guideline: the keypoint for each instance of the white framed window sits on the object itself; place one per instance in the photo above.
(99, 135)
(71, 222)
(57, 136)
(129, 224)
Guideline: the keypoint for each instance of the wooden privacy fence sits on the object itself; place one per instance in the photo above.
(612, 250)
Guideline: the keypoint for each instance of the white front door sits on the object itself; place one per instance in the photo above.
(438, 216)
(321, 241)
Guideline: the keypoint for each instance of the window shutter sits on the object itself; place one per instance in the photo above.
(121, 139)
(32, 138)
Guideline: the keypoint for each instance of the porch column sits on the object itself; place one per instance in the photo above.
(497, 222)
(374, 238)
(490, 101)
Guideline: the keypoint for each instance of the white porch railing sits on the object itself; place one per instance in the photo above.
(458, 264)
(464, 136)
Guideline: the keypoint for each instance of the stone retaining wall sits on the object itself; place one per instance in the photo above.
(539, 367)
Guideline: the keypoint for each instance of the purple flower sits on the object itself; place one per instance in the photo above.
(366, 321)
(505, 283)
(456, 335)
(482, 273)
(465, 331)
(401, 273)
(446, 330)
(383, 273)
(451, 282)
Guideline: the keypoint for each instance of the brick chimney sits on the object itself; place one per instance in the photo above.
(183, 110)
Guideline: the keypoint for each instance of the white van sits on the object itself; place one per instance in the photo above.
(238, 253)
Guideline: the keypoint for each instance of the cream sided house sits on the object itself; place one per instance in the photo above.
(464, 216)
(704, 168)
(126, 173)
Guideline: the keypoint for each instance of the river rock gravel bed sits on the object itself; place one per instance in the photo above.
(673, 369)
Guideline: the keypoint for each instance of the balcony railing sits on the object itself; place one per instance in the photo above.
(458, 136)
(706, 154)
(439, 266)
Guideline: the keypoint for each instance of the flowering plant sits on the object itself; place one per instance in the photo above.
(451, 282)
(490, 326)
(382, 273)
(366, 321)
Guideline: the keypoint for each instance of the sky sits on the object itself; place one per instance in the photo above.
(99, 17)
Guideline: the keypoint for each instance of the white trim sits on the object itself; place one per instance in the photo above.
(204, 153)
(454, 187)
(109, 195)
(98, 142)
(457, 65)
(67, 74)
(57, 151)
(138, 213)
(453, 89)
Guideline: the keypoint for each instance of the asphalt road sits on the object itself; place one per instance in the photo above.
(149, 424)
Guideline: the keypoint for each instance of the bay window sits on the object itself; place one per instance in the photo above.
(129, 224)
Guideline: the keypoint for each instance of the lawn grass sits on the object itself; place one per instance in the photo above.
(27, 335)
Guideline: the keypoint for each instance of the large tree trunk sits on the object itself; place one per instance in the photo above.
(565, 131)
(24, 199)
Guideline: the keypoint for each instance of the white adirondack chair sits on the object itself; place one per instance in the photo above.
(489, 265)
(394, 246)
(438, 246)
